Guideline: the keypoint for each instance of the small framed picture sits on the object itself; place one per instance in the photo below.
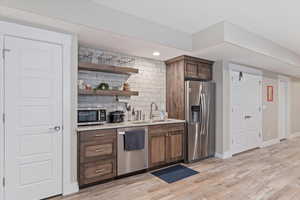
(270, 93)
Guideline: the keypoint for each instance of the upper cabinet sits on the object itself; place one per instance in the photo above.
(178, 70)
(193, 68)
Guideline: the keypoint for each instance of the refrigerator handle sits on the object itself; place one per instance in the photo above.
(187, 101)
(202, 101)
(205, 115)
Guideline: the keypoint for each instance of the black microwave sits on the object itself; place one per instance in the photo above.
(91, 116)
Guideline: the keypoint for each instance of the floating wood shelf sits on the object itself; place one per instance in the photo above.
(108, 93)
(106, 68)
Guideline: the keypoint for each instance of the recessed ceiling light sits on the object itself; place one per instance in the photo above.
(156, 53)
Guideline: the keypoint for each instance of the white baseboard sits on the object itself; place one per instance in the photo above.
(224, 155)
(293, 135)
(70, 189)
(270, 142)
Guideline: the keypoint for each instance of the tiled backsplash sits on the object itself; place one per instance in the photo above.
(149, 82)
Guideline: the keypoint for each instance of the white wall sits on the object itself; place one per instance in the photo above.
(270, 109)
(295, 106)
(73, 111)
(150, 82)
(222, 79)
(243, 38)
(1, 124)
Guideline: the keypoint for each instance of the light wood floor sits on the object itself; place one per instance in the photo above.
(263, 174)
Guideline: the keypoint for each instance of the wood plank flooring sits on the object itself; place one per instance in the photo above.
(270, 173)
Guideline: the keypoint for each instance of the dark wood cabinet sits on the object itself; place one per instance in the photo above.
(157, 146)
(97, 152)
(197, 69)
(166, 144)
(97, 155)
(175, 143)
(93, 172)
(178, 70)
(191, 69)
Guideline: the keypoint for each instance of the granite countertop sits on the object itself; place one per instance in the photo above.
(129, 124)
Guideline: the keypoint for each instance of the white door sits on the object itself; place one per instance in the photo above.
(246, 111)
(283, 109)
(33, 108)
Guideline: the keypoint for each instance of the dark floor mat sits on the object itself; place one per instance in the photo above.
(174, 173)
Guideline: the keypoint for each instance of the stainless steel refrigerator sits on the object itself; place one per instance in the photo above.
(200, 116)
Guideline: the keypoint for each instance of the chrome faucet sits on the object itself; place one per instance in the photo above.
(151, 109)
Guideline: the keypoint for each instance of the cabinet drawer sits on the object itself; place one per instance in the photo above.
(97, 171)
(86, 136)
(162, 129)
(98, 150)
(176, 127)
(158, 129)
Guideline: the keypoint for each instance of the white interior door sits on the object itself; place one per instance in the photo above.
(283, 109)
(246, 111)
(33, 109)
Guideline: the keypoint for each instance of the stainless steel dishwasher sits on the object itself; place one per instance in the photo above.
(131, 161)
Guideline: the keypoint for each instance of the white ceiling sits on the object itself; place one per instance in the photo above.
(275, 20)
(92, 37)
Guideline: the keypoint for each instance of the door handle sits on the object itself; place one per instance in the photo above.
(55, 128)
(248, 116)
(121, 133)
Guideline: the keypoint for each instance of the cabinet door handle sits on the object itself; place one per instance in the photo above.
(248, 116)
(99, 171)
(99, 150)
(98, 135)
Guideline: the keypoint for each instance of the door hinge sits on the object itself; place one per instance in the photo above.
(4, 51)
(3, 117)
(259, 82)
(260, 134)
(3, 182)
(259, 109)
